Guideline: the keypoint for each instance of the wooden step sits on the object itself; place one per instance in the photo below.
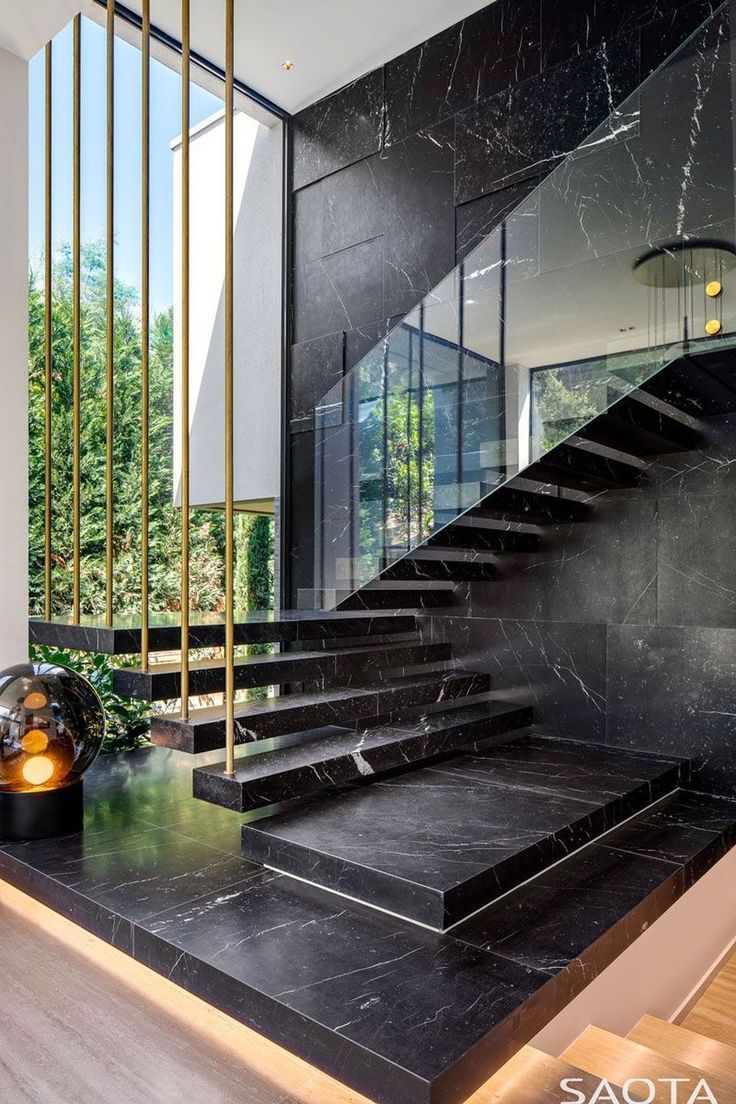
(605, 1055)
(713, 1058)
(715, 1013)
(207, 676)
(204, 730)
(533, 1077)
(345, 757)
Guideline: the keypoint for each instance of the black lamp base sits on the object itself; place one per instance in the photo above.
(43, 813)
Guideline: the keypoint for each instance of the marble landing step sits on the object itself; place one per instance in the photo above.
(347, 756)
(207, 676)
(437, 844)
(204, 730)
(208, 630)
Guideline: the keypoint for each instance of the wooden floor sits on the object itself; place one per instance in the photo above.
(84, 1024)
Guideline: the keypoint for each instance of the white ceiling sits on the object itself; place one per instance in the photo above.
(26, 25)
(331, 42)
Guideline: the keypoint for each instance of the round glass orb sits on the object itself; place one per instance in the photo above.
(51, 727)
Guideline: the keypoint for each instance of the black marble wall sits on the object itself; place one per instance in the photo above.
(397, 176)
(623, 631)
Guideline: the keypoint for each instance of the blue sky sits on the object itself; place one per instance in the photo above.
(165, 125)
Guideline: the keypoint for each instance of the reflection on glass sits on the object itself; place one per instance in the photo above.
(617, 264)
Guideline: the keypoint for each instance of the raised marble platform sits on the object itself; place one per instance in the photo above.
(437, 844)
(401, 1014)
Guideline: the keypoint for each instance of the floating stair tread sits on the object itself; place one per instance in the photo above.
(349, 756)
(713, 1058)
(375, 598)
(443, 841)
(608, 1056)
(454, 570)
(640, 429)
(208, 630)
(517, 504)
(477, 538)
(163, 680)
(205, 728)
(572, 466)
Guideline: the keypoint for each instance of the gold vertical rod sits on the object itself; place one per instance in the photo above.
(76, 323)
(110, 309)
(229, 490)
(185, 70)
(145, 316)
(48, 365)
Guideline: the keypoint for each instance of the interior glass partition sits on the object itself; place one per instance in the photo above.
(620, 262)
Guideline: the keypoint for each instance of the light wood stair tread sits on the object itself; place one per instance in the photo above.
(532, 1077)
(609, 1057)
(713, 1058)
(715, 1013)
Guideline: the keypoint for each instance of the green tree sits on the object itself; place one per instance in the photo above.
(207, 533)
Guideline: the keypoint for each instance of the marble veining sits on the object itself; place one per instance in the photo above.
(403, 1015)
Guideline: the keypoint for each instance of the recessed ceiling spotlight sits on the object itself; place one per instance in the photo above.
(287, 65)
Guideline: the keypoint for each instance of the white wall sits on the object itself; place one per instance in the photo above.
(257, 334)
(670, 961)
(13, 360)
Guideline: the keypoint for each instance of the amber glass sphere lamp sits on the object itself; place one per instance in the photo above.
(52, 725)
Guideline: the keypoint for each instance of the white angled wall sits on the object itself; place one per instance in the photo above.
(13, 360)
(257, 331)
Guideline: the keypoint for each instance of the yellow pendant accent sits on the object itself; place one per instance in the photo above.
(713, 327)
(714, 288)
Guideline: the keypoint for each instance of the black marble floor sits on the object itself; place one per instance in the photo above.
(402, 1014)
(436, 844)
